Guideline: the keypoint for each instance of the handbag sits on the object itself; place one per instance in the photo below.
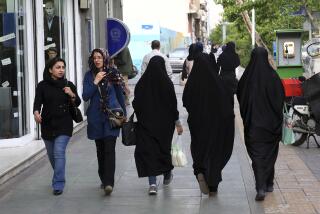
(116, 116)
(129, 132)
(75, 113)
(287, 131)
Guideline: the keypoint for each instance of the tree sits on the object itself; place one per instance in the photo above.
(270, 16)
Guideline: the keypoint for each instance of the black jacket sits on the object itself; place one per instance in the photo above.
(56, 118)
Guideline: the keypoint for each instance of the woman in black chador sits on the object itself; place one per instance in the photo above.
(211, 123)
(228, 61)
(261, 96)
(155, 105)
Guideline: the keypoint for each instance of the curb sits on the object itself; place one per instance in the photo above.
(30, 160)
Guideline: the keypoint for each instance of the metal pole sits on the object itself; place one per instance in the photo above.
(253, 33)
(224, 32)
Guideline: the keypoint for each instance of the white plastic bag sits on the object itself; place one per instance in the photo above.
(179, 158)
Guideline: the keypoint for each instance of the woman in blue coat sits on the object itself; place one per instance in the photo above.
(102, 87)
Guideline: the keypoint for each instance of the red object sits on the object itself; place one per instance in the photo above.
(292, 87)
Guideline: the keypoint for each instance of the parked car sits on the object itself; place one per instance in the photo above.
(176, 59)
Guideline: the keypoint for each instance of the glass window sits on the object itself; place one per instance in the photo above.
(13, 93)
(54, 38)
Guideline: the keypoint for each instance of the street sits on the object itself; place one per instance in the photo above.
(297, 186)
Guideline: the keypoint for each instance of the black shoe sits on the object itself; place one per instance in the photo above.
(202, 184)
(213, 190)
(261, 194)
(57, 192)
(269, 188)
(167, 179)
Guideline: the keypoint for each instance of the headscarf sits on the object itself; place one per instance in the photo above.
(194, 50)
(105, 56)
(260, 94)
(59, 83)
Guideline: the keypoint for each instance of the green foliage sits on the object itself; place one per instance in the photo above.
(270, 16)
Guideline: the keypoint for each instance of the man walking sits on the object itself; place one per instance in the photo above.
(155, 46)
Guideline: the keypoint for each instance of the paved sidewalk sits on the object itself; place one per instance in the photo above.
(30, 192)
(297, 190)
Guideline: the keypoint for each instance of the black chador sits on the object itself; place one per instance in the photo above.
(210, 120)
(228, 61)
(155, 105)
(261, 96)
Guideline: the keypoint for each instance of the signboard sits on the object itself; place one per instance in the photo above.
(117, 36)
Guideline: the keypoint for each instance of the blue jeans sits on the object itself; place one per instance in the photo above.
(153, 179)
(56, 150)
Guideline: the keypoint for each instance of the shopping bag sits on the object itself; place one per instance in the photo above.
(287, 130)
(179, 158)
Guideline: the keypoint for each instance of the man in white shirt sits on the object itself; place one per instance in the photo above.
(155, 45)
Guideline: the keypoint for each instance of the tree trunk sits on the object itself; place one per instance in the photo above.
(311, 18)
(258, 39)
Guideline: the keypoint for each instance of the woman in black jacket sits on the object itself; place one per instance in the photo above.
(55, 94)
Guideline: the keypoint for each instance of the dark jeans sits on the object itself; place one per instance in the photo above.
(153, 179)
(106, 160)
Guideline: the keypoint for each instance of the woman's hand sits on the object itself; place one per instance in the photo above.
(37, 117)
(179, 129)
(68, 91)
(99, 77)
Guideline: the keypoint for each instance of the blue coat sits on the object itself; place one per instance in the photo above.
(98, 123)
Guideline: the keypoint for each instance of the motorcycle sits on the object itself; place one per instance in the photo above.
(305, 110)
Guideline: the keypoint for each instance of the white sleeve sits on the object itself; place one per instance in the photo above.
(144, 64)
(168, 67)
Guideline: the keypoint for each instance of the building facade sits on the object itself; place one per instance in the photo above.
(29, 30)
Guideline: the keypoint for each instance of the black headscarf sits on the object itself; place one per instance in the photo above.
(261, 96)
(59, 83)
(211, 120)
(155, 105)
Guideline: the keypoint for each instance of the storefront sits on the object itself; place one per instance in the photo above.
(32, 31)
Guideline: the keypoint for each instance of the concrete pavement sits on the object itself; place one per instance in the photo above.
(297, 189)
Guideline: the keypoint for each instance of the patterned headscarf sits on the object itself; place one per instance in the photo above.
(105, 56)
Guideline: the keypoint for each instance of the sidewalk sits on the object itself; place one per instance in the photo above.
(296, 191)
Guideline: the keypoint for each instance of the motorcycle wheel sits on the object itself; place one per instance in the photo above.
(300, 138)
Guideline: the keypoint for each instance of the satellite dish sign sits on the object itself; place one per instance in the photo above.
(117, 36)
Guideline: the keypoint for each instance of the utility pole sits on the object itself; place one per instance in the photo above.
(253, 32)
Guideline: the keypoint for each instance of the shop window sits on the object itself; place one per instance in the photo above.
(54, 42)
(13, 93)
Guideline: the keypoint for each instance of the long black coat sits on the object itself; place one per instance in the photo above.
(155, 105)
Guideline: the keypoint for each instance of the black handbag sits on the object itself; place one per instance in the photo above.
(129, 132)
(75, 113)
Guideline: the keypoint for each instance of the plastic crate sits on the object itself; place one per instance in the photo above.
(292, 87)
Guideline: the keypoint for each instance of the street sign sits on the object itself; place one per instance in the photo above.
(117, 36)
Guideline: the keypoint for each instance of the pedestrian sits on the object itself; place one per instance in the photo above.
(103, 88)
(211, 123)
(212, 56)
(54, 95)
(261, 97)
(227, 62)
(155, 46)
(124, 63)
(194, 50)
(155, 105)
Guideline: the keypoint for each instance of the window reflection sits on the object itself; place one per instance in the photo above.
(12, 70)
(53, 29)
